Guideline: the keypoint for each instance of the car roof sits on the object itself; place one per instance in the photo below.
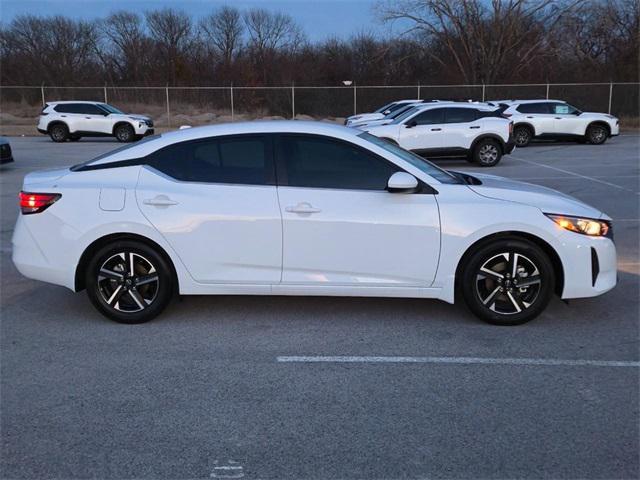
(476, 105)
(151, 144)
(517, 102)
(72, 101)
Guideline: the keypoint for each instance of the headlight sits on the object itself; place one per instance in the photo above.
(586, 226)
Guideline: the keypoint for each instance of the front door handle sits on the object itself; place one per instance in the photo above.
(436, 129)
(529, 117)
(303, 207)
(159, 201)
(558, 118)
(475, 127)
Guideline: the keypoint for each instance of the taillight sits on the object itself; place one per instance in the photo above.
(37, 202)
(510, 128)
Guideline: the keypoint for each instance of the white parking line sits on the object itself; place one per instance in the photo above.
(586, 177)
(458, 361)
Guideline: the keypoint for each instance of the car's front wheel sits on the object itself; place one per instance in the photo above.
(597, 134)
(125, 133)
(508, 281)
(129, 282)
(487, 153)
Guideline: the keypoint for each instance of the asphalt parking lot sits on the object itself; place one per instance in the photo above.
(204, 391)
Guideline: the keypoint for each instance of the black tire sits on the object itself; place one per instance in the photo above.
(487, 152)
(508, 300)
(74, 138)
(124, 133)
(522, 136)
(597, 134)
(59, 133)
(125, 294)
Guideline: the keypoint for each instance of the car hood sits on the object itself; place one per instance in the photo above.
(365, 116)
(596, 115)
(546, 199)
(131, 116)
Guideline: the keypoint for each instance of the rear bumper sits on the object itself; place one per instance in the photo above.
(41, 130)
(509, 146)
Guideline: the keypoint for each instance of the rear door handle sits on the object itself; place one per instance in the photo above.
(558, 118)
(159, 201)
(436, 129)
(475, 127)
(303, 207)
(529, 117)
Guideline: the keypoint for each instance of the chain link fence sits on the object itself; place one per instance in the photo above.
(175, 106)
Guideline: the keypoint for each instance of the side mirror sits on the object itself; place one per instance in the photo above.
(402, 182)
(411, 124)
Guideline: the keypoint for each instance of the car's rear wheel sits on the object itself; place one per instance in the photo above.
(487, 153)
(59, 133)
(597, 134)
(129, 282)
(522, 136)
(507, 281)
(125, 133)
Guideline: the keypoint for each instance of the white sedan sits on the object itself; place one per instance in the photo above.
(303, 208)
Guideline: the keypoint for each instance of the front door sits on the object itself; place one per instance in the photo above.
(341, 226)
(215, 202)
(423, 132)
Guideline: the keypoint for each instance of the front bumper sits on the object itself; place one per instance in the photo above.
(43, 131)
(590, 265)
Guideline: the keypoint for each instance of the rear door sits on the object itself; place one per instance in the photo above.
(423, 132)
(461, 127)
(71, 114)
(539, 115)
(215, 202)
(342, 228)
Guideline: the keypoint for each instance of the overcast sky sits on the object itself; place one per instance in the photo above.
(319, 18)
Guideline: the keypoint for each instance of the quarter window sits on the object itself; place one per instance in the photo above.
(238, 160)
(318, 162)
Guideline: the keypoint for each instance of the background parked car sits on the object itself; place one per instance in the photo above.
(475, 131)
(381, 112)
(555, 119)
(73, 120)
(6, 156)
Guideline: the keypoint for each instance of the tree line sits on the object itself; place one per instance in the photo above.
(436, 42)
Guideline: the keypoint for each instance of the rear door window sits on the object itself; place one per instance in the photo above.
(242, 159)
(541, 107)
(460, 115)
(68, 108)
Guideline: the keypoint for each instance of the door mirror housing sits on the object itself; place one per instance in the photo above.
(402, 182)
(411, 124)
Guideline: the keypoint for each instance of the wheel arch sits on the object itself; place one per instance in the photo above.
(492, 136)
(53, 123)
(120, 123)
(79, 283)
(526, 125)
(600, 123)
(558, 269)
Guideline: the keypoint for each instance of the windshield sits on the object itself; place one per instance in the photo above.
(408, 113)
(400, 111)
(384, 107)
(110, 108)
(420, 163)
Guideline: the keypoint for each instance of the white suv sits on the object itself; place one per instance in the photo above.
(475, 131)
(555, 119)
(74, 119)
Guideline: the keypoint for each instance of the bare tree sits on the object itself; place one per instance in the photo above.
(271, 31)
(483, 41)
(172, 32)
(124, 45)
(223, 30)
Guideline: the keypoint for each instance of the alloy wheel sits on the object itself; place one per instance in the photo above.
(58, 133)
(522, 137)
(598, 134)
(508, 283)
(488, 153)
(128, 282)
